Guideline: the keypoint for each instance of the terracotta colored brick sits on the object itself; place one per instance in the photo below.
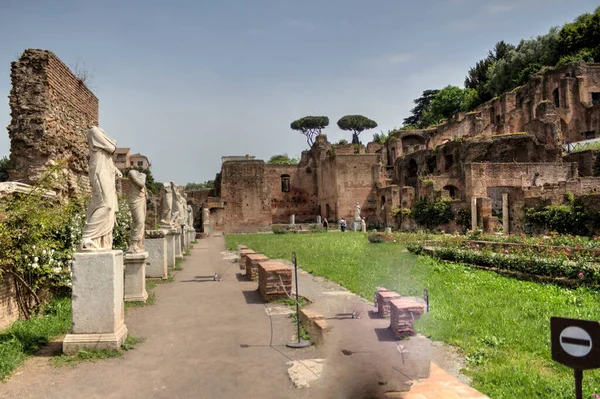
(274, 280)
(383, 302)
(252, 265)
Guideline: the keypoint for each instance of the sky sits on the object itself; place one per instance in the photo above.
(186, 82)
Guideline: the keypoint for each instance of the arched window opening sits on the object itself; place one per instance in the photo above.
(382, 201)
(412, 168)
(452, 190)
(555, 97)
(285, 183)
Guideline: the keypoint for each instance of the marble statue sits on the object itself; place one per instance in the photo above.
(101, 212)
(166, 204)
(137, 206)
(205, 216)
(190, 219)
(357, 213)
(363, 225)
(183, 204)
(176, 204)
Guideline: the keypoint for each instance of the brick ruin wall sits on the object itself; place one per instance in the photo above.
(9, 310)
(51, 111)
(244, 195)
(301, 200)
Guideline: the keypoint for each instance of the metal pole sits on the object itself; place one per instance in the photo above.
(301, 343)
(297, 303)
(578, 381)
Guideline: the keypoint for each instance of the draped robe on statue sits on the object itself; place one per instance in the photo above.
(98, 230)
(137, 205)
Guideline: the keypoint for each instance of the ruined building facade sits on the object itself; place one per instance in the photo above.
(509, 151)
(51, 111)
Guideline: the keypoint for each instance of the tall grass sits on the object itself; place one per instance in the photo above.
(501, 325)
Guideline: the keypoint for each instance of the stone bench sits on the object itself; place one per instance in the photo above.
(403, 314)
(384, 297)
(271, 275)
(243, 253)
(252, 261)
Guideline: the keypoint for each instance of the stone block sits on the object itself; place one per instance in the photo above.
(157, 265)
(315, 324)
(252, 261)
(403, 313)
(243, 254)
(98, 307)
(178, 244)
(171, 243)
(383, 302)
(135, 277)
(274, 280)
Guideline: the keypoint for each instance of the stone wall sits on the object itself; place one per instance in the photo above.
(585, 161)
(301, 199)
(246, 200)
(9, 310)
(51, 111)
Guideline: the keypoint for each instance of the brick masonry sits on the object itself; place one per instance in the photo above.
(383, 302)
(243, 255)
(271, 275)
(403, 313)
(51, 111)
(252, 261)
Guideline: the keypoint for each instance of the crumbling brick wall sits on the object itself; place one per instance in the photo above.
(301, 199)
(9, 310)
(51, 111)
(247, 203)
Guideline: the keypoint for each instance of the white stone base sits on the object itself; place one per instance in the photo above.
(135, 277)
(156, 265)
(178, 244)
(98, 308)
(73, 343)
(171, 241)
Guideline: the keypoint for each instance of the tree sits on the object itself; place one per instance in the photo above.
(583, 33)
(151, 185)
(416, 119)
(477, 77)
(447, 102)
(209, 184)
(282, 159)
(356, 124)
(380, 138)
(310, 126)
(4, 167)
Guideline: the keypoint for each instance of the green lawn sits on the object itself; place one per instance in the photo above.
(501, 325)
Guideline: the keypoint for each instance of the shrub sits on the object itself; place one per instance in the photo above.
(376, 238)
(432, 213)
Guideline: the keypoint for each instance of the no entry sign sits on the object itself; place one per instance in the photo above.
(575, 343)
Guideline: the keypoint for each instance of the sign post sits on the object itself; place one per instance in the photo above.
(576, 344)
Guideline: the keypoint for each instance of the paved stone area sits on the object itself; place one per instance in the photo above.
(217, 339)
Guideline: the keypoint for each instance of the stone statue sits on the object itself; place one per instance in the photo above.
(166, 204)
(363, 223)
(205, 216)
(190, 212)
(100, 221)
(357, 213)
(137, 205)
(176, 204)
(183, 206)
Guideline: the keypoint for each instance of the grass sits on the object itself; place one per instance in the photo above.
(178, 262)
(91, 356)
(25, 337)
(501, 325)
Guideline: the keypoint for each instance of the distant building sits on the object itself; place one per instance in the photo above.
(139, 160)
(123, 159)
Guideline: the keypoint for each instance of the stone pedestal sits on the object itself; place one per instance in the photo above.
(171, 251)
(184, 238)
(356, 226)
(505, 214)
(155, 244)
(178, 245)
(135, 277)
(98, 307)
(206, 228)
(319, 219)
(293, 220)
(474, 213)
(388, 230)
(192, 234)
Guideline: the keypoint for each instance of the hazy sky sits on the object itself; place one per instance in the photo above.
(186, 82)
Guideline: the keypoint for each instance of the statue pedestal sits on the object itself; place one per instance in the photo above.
(98, 308)
(206, 228)
(357, 226)
(178, 244)
(171, 251)
(135, 277)
(184, 238)
(155, 244)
